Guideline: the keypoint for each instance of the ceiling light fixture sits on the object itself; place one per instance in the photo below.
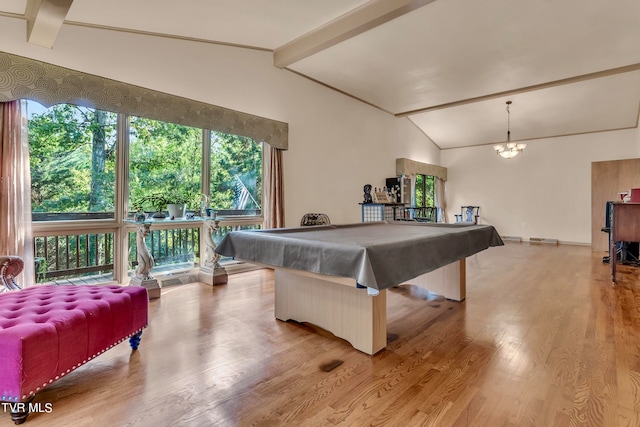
(510, 149)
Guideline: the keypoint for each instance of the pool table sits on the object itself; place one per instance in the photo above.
(336, 276)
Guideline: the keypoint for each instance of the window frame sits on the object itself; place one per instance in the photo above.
(118, 225)
(423, 201)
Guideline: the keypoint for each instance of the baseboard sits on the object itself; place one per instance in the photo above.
(562, 242)
(543, 241)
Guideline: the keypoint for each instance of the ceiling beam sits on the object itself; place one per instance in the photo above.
(44, 20)
(351, 24)
(569, 80)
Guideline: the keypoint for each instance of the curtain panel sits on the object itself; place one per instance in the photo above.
(15, 188)
(273, 189)
(440, 201)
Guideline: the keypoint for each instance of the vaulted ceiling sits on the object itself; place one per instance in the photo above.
(569, 67)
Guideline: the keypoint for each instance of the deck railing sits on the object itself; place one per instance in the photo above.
(72, 255)
(86, 248)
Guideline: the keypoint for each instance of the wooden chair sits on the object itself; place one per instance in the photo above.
(469, 214)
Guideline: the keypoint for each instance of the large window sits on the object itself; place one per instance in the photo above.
(79, 188)
(73, 165)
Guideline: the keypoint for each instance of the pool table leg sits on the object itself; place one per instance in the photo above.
(449, 281)
(346, 311)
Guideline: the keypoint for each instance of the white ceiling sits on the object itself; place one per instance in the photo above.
(569, 67)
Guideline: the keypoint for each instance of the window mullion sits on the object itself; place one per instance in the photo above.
(121, 246)
(205, 179)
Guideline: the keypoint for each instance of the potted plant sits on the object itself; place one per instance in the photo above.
(153, 202)
(178, 202)
(159, 202)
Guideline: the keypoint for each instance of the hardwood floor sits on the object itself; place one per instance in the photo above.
(543, 339)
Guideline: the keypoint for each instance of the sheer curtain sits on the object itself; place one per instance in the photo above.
(15, 188)
(440, 201)
(273, 188)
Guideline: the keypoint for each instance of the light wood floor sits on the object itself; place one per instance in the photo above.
(543, 339)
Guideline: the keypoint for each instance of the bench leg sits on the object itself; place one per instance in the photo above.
(134, 341)
(20, 414)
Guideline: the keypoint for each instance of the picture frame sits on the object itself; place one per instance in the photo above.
(380, 196)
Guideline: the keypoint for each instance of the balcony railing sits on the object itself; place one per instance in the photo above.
(75, 255)
(170, 246)
(89, 249)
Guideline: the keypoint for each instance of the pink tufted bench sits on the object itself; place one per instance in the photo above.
(48, 331)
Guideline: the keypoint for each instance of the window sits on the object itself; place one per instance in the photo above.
(165, 162)
(236, 175)
(425, 190)
(76, 174)
(72, 155)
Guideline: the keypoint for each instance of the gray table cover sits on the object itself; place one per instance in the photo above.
(377, 255)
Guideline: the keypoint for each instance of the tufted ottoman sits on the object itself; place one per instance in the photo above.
(48, 331)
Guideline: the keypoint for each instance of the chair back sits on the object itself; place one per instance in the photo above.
(315, 219)
(468, 214)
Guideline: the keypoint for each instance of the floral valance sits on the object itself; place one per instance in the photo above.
(25, 78)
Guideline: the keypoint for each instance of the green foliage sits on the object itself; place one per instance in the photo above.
(61, 142)
(425, 190)
(235, 159)
(73, 163)
(165, 163)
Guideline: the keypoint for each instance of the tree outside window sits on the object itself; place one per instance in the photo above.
(165, 162)
(236, 174)
(72, 155)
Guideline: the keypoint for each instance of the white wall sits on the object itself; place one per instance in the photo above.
(336, 144)
(543, 192)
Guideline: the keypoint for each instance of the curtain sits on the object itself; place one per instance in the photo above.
(273, 208)
(439, 200)
(412, 179)
(15, 188)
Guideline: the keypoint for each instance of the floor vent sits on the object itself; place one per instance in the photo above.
(174, 278)
(512, 239)
(543, 241)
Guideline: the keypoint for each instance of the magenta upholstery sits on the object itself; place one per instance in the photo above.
(48, 331)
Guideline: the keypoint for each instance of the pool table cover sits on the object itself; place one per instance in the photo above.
(377, 255)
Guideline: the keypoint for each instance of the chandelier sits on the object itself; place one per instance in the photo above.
(510, 149)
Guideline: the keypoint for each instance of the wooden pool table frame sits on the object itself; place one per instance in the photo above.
(339, 306)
